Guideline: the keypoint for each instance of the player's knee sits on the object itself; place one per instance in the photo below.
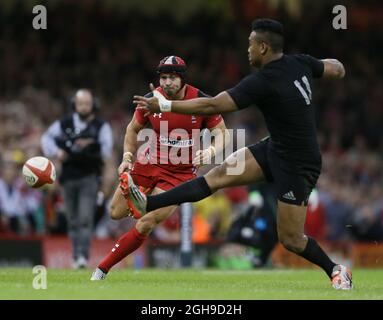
(292, 242)
(113, 213)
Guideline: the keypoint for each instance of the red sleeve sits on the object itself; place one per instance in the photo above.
(210, 122)
(139, 115)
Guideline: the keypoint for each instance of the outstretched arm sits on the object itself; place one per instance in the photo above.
(333, 68)
(221, 103)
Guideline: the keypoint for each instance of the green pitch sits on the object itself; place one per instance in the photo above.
(16, 283)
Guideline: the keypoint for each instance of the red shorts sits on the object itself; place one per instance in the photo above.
(150, 176)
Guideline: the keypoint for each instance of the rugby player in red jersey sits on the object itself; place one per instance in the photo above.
(168, 160)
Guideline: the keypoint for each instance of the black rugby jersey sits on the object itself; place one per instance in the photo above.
(283, 91)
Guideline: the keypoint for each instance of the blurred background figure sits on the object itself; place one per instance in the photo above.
(316, 223)
(217, 212)
(20, 206)
(255, 228)
(81, 142)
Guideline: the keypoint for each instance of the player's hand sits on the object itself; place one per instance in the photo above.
(127, 163)
(203, 157)
(148, 105)
(125, 166)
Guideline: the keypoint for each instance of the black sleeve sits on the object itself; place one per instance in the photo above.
(250, 91)
(316, 65)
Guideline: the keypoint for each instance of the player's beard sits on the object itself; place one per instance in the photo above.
(172, 92)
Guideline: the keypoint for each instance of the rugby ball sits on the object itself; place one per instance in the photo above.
(39, 171)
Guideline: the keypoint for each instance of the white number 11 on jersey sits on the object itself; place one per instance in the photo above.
(307, 95)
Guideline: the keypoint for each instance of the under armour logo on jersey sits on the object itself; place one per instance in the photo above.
(159, 115)
(289, 196)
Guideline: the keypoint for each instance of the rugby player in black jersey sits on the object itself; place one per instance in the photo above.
(282, 88)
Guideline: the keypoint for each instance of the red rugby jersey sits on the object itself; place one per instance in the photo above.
(176, 137)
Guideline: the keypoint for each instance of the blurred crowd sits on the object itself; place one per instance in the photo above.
(115, 54)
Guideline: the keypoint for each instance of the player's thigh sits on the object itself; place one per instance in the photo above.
(291, 220)
(118, 208)
(240, 168)
(159, 215)
(293, 191)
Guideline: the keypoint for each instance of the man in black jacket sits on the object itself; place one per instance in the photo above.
(81, 142)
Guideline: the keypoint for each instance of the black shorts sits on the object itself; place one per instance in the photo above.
(293, 182)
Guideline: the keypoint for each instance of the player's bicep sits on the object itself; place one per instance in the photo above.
(249, 91)
(316, 66)
(333, 69)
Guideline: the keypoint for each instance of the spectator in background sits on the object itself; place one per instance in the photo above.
(19, 204)
(169, 230)
(338, 212)
(216, 211)
(82, 142)
(238, 197)
(367, 224)
(316, 218)
(255, 228)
